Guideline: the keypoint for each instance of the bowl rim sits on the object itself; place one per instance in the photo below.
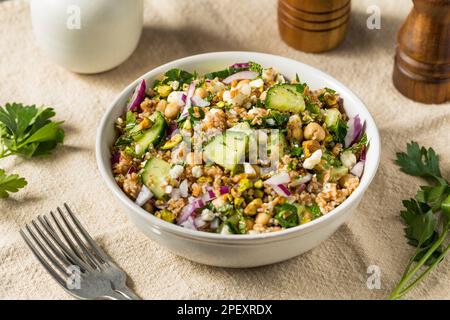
(161, 225)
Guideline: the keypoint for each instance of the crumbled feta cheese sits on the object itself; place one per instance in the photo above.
(226, 96)
(246, 89)
(258, 83)
(207, 215)
(174, 85)
(176, 97)
(197, 172)
(168, 189)
(226, 230)
(313, 160)
(176, 171)
(270, 122)
(348, 159)
(180, 152)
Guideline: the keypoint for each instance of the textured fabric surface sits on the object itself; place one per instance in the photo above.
(178, 28)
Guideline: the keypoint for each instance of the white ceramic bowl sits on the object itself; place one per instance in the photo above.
(240, 250)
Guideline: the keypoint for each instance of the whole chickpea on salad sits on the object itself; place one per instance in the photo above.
(237, 151)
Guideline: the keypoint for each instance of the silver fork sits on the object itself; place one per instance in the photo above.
(77, 263)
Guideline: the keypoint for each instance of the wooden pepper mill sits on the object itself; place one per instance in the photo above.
(313, 25)
(422, 62)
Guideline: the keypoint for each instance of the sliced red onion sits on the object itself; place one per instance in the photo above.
(189, 209)
(189, 224)
(132, 169)
(209, 195)
(173, 126)
(240, 65)
(184, 191)
(199, 102)
(302, 180)
(224, 190)
(302, 188)
(280, 178)
(284, 189)
(243, 75)
(354, 131)
(362, 157)
(144, 195)
(358, 169)
(115, 158)
(188, 104)
(138, 96)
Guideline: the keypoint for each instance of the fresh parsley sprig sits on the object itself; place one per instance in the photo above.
(26, 131)
(427, 216)
(10, 183)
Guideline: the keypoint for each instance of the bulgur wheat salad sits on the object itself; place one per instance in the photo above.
(237, 151)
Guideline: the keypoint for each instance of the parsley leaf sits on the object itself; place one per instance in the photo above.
(286, 215)
(253, 66)
(419, 162)
(357, 147)
(178, 75)
(28, 131)
(427, 217)
(339, 131)
(420, 221)
(10, 183)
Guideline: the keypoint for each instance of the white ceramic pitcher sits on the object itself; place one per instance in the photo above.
(87, 36)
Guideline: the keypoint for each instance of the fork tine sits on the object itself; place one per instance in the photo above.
(98, 251)
(71, 256)
(41, 259)
(69, 241)
(46, 252)
(77, 239)
(50, 244)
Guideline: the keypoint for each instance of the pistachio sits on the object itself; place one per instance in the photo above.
(252, 207)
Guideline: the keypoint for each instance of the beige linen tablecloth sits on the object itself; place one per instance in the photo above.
(178, 28)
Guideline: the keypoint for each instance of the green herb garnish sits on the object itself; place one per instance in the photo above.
(10, 183)
(25, 131)
(339, 131)
(286, 215)
(427, 217)
(28, 131)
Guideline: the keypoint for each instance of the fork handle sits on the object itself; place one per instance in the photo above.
(114, 295)
(127, 292)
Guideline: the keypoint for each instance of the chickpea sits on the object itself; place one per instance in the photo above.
(262, 218)
(314, 131)
(172, 110)
(348, 180)
(161, 106)
(252, 207)
(200, 92)
(310, 146)
(295, 132)
(337, 149)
